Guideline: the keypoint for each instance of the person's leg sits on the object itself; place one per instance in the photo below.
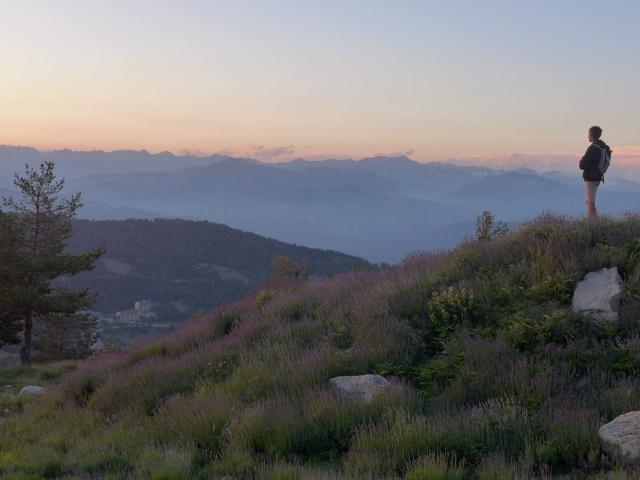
(590, 198)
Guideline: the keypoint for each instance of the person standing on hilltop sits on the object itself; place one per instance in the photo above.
(594, 164)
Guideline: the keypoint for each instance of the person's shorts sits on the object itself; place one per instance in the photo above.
(590, 189)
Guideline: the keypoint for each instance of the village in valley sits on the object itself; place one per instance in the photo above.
(122, 328)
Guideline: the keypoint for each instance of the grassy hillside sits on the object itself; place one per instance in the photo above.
(495, 378)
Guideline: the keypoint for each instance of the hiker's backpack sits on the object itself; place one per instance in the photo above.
(605, 159)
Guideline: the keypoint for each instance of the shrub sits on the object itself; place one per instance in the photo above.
(557, 326)
(276, 429)
(618, 399)
(164, 463)
(435, 467)
(251, 381)
(196, 421)
(572, 439)
(104, 463)
(292, 311)
(265, 297)
(284, 472)
(10, 404)
(477, 369)
(452, 307)
(386, 446)
(389, 446)
(553, 289)
(497, 467)
(499, 426)
(335, 420)
(224, 322)
(487, 228)
(448, 310)
(234, 463)
(144, 386)
(156, 349)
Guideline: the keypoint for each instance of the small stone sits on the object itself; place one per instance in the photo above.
(30, 390)
(623, 432)
(598, 294)
(362, 387)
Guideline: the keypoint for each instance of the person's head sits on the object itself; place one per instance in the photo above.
(595, 133)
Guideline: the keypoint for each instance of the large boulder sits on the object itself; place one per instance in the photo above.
(360, 387)
(32, 390)
(598, 294)
(623, 432)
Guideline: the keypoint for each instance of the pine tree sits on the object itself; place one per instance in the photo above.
(10, 271)
(487, 228)
(64, 337)
(44, 224)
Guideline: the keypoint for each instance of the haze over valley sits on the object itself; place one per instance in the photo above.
(379, 208)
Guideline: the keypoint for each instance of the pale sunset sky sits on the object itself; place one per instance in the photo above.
(278, 79)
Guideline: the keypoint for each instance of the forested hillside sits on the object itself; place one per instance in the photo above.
(493, 376)
(195, 264)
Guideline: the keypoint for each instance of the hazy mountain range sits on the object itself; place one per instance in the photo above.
(380, 208)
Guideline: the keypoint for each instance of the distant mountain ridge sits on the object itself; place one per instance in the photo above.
(72, 163)
(380, 208)
(343, 203)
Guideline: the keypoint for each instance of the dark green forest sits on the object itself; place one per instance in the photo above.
(194, 264)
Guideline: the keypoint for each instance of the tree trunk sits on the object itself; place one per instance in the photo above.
(25, 348)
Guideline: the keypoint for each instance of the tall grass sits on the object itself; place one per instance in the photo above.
(494, 377)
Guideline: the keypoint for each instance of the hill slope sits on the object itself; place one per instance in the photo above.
(198, 264)
(496, 378)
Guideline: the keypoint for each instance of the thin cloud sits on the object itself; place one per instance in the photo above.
(627, 151)
(406, 153)
(226, 152)
(192, 153)
(274, 153)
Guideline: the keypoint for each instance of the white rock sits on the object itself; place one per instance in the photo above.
(363, 387)
(598, 294)
(30, 390)
(623, 432)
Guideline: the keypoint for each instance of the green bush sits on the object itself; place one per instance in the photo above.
(387, 446)
(225, 322)
(497, 467)
(284, 472)
(293, 311)
(435, 467)
(50, 468)
(104, 463)
(234, 463)
(447, 310)
(265, 297)
(572, 439)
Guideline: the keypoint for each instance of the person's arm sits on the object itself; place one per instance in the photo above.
(589, 158)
